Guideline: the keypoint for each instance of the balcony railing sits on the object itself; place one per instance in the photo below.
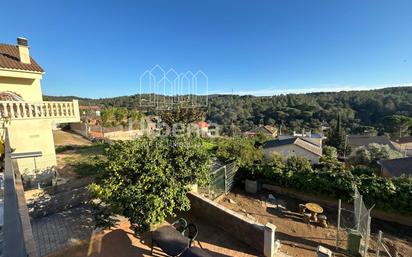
(46, 109)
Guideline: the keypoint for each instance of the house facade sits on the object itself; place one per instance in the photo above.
(25, 117)
(294, 146)
(404, 145)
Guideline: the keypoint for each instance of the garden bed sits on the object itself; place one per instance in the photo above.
(300, 239)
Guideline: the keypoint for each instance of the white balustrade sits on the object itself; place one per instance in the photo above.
(47, 109)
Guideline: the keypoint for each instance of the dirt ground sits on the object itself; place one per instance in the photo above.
(62, 138)
(301, 239)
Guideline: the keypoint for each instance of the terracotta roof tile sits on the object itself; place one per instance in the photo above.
(10, 59)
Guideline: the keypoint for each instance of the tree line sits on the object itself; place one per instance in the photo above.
(380, 111)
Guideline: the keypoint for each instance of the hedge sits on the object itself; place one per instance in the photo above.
(333, 179)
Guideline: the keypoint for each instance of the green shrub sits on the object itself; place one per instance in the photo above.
(333, 179)
(146, 180)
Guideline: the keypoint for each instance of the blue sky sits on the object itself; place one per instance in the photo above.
(100, 48)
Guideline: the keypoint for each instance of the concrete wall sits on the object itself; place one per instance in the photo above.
(33, 136)
(241, 227)
(26, 84)
(287, 151)
(123, 135)
(82, 129)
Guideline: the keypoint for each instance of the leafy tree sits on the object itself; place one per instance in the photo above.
(337, 137)
(294, 111)
(147, 180)
(329, 153)
(239, 150)
(372, 153)
(107, 116)
(120, 115)
(135, 115)
(184, 115)
(397, 124)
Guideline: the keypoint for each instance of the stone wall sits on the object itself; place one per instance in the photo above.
(241, 227)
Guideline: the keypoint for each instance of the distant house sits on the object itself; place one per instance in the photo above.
(266, 130)
(396, 167)
(203, 127)
(93, 110)
(404, 145)
(294, 146)
(363, 140)
(314, 138)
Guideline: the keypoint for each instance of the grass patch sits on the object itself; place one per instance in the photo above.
(86, 160)
(88, 166)
(81, 148)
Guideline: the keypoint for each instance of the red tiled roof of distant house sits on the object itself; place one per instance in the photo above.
(203, 124)
(10, 59)
(93, 107)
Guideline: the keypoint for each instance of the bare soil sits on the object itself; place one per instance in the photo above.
(62, 138)
(301, 239)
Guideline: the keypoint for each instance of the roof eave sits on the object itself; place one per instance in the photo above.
(21, 70)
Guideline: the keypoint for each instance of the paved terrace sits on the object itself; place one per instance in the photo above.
(70, 233)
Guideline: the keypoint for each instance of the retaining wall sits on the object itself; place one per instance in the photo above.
(241, 227)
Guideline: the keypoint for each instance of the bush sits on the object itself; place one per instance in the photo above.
(147, 180)
(333, 179)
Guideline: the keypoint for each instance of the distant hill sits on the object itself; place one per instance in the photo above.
(295, 111)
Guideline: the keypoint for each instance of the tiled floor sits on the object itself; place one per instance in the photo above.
(70, 233)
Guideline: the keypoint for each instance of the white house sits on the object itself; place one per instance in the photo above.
(294, 146)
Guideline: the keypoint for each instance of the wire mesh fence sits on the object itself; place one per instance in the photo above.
(221, 182)
(356, 220)
(381, 248)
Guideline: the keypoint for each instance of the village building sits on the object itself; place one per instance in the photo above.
(355, 141)
(404, 145)
(294, 146)
(396, 167)
(26, 119)
(266, 130)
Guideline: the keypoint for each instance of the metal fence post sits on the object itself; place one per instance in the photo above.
(378, 245)
(225, 179)
(338, 226)
(366, 246)
(359, 213)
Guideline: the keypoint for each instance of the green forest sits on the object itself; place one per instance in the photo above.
(387, 110)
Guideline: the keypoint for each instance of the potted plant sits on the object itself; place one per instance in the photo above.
(252, 183)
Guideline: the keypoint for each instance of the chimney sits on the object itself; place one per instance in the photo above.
(22, 43)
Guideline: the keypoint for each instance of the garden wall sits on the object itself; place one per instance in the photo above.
(305, 197)
(241, 227)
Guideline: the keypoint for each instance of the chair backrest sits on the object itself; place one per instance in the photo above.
(191, 232)
(180, 225)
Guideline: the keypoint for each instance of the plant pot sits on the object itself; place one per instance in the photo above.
(251, 186)
(193, 188)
